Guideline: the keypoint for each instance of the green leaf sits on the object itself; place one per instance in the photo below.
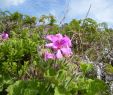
(85, 67)
(57, 92)
(23, 88)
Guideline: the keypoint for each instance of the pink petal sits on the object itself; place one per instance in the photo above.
(49, 37)
(49, 45)
(59, 36)
(52, 45)
(66, 51)
(52, 38)
(59, 54)
(68, 41)
(49, 56)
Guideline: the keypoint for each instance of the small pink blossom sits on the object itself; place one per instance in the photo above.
(4, 36)
(48, 56)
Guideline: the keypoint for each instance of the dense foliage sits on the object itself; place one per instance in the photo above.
(24, 71)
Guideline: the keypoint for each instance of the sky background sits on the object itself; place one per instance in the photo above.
(101, 10)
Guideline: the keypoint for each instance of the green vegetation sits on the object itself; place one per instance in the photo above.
(23, 70)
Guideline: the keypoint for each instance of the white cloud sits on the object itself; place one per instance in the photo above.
(101, 10)
(8, 3)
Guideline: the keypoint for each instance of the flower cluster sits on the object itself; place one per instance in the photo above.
(61, 46)
(4, 36)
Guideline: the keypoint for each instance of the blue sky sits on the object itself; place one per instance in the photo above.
(101, 10)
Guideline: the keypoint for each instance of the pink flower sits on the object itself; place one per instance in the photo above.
(48, 56)
(4, 35)
(61, 45)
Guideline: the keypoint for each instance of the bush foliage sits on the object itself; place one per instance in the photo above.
(23, 70)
